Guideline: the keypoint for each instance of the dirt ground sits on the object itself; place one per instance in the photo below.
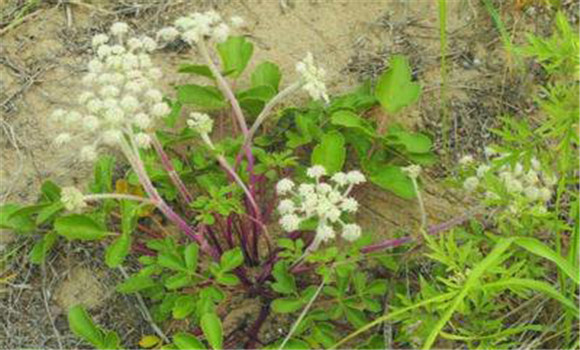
(42, 56)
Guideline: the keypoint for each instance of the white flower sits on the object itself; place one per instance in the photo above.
(340, 178)
(470, 184)
(306, 189)
(154, 95)
(168, 33)
(536, 165)
(72, 199)
(91, 123)
(316, 171)
(149, 44)
(467, 159)
(104, 50)
(155, 73)
(109, 91)
(95, 66)
(351, 232)
(290, 222)
(134, 44)
(284, 186)
(88, 153)
(237, 21)
(349, 205)
(115, 116)
(94, 105)
(355, 177)
(160, 109)
(143, 140)
(412, 171)
(85, 97)
(531, 177)
(72, 118)
(119, 28)
(221, 32)
(142, 120)
(514, 186)
(286, 206)
(323, 188)
(312, 78)
(532, 193)
(482, 170)
(57, 115)
(112, 137)
(200, 122)
(490, 152)
(545, 194)
(62, 139)
(518, 169)
(191, 36)
(550, 180)
(99, 39)
(129, 103)
(324, 233)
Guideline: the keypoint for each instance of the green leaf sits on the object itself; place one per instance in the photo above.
(212, 329)
(392, 178)
(261, 93)
(349, 119)
(539, 286)
(199, 69)
(18, 223)
(493, 258)
(285, 282)
(41, 247)
(330, 152)
(227, 279)
(207, 97)
(103, 175)
(135, 283)
(413, 142)
(179, 280)
(50, 191)
(191, 254)
(394, 89)
(537, 247)
(267, 73)
(186, 341)
(81, 324)
(231, 259)
(81, 227)
(171, 261)
(235, 54)
(173, 116)
(184, 306)
(117, 251)
(49, 212)
(287, 305)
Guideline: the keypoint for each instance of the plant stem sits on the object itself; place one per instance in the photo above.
(132, 154)
(266, 111)
(171, 170)
(119, 196)
(302, 314)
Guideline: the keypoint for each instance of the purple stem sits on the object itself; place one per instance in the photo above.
(171, 170)
(391, 243)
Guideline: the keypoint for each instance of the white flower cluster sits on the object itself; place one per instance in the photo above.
(200, 122)
(322, 201)
(72, 199)
(121, 97)
(313, 78)
(199, 26)
(531, 187)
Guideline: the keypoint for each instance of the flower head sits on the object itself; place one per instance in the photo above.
(200, 122)
(196, 27)
(323, 201)
(312, 78)
(120, 97)
(412, 171)
(72, 199)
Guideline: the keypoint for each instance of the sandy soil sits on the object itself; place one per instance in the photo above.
(42, 59)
